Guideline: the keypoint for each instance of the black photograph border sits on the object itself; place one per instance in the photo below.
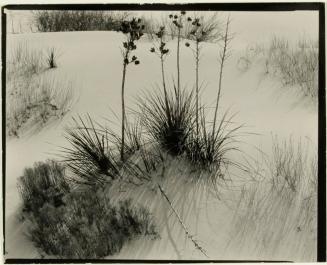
(273, 6)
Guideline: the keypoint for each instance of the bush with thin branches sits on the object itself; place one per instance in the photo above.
(80, 224)
(46, 182)
(78, 20)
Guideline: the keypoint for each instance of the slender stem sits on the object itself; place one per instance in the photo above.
(197, 87)
(178, 67)
(164, 81)
(197, 246)
(171, 239)
(123, 108)
(222, 61)
(163, 75)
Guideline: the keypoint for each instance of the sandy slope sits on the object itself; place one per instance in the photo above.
(92, 60)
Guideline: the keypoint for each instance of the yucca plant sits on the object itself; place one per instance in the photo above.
(90, 157)
(133, 138)
(178, 21)
(201, 30)
(208, 150)
(161, 51)
(223, 56)
(133, 31)
(169, 122)
(207, 147)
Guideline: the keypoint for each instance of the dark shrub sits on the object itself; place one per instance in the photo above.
(44, 183)
(89, 227)
(79, 20)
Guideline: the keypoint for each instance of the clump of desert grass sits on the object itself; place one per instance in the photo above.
(33, 102)
(23, 61)
(90, 157)
(208, 150)
(276, 215)
(295, 65)
(34, 97)
(51, 58)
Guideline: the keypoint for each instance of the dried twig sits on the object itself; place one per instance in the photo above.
(188, 234)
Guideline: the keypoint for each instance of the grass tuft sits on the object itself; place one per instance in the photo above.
(169, 119)
(90, 156)
(52, 58)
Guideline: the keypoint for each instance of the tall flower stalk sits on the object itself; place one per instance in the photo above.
(223, 56)
(161, 51)
(201, 31)
(133, 31)
(178, 21)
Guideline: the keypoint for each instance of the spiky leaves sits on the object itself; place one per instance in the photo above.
(208, 150)
(90, 157)
(169, 123)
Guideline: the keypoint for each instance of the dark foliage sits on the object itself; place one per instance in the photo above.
(66, 20)
(44, 183)
(161, 50)
(79, 223)
(52, 58)
(88, 227)
(169, 120)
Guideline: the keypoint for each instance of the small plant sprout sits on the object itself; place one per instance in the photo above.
(178, 21)
(161, 51)
(52, 58)
(133, 31)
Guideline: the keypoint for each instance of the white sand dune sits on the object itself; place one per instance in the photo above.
(92, 61)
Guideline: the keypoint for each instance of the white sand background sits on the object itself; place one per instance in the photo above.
(92, 61)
